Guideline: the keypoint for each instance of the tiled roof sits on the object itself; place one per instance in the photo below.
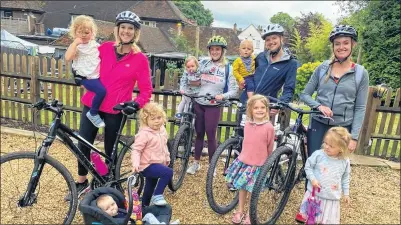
(205, 33)
(58, 13)
(152, 39)
(27, 5)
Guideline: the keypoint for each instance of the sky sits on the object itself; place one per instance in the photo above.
(244, 13)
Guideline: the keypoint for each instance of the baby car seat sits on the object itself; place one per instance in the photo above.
(95, 216)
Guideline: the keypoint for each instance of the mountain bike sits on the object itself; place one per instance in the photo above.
(221, 198)
(34, 184)
(182, 143)
(271, 195)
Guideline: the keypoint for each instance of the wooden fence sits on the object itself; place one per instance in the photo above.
(380, 133)
(25, 79)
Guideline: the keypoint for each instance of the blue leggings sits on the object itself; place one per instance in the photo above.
(95, 86)
(155, 174)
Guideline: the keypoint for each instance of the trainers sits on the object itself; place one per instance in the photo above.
(300, 218)
(96, 120)
(81, 189)
(158, 200)
(193, 168)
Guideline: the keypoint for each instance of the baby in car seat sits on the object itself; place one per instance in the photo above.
(107, 204)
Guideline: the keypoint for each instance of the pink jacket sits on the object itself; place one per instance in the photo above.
(150, 147)
(119, 78)
(258, 143)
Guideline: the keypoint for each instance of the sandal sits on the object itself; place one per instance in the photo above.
(237, 218)
(247, 220)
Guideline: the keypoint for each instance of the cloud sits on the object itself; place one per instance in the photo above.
(244, 13)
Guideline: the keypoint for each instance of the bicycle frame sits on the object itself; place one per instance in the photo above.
(189, 119)
(58, 129)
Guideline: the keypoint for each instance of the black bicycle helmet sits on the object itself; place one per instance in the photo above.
(343, 31)
(217, 41)
(272, 29)
(128, 17)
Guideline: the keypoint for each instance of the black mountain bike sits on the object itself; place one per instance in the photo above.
(221, 198)
(34, 184)
(181, 145)
(270, 195)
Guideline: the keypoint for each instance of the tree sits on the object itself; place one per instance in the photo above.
(285, 20)
(350, 7)
(302, 23)
(382, 45)
(317, 42)
(196, 11)
(297, 46)
(378, 26)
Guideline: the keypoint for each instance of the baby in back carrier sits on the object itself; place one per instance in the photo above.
(190, 83)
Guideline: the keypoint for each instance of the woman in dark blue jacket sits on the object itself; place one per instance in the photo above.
(275, 68)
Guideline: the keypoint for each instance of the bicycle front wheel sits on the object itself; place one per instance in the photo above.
(179, 157)
(272, 187)
(48, 201)
(222, 199)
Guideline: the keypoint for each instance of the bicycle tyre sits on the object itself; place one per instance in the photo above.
(181, 135)
(260, 185)
(61, 169)
(124, 161)
(221, 209)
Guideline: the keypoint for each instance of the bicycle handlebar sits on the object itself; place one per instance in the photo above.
(281, 104)
(192, 96)
(57, 107)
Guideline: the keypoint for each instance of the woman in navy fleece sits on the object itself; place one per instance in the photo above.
(275, 68)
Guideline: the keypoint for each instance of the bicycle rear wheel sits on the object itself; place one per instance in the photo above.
(272, 187)
(221, 199)
(179, 157)
(49, 206)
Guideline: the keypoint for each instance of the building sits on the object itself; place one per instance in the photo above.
(252, 33)
(22, 17)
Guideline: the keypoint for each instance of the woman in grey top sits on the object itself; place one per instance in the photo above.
(220, 83)
(342, 90)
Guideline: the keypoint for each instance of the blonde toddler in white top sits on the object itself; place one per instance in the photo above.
(84, 54)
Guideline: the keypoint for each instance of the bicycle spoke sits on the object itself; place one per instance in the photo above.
(48, 197)
(221, 197)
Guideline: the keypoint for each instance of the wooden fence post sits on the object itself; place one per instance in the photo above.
(35, 86)
(197, 42)
(367, 125)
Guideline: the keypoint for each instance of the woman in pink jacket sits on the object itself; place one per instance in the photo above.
(150, 154)
(122, 66)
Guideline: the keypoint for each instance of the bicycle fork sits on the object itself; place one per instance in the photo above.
(29, 197)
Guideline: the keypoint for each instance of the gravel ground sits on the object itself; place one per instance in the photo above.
(375, 192)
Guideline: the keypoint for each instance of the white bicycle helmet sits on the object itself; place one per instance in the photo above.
(128, 17)
(272, 29)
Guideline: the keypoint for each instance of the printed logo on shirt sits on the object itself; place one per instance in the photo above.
(127, 65)
(275, 68)
(211, 79)
(217, 71)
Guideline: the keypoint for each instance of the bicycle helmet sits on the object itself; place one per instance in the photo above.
(128, 17)
(217, 41)
(343, 31)
(272, 29)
